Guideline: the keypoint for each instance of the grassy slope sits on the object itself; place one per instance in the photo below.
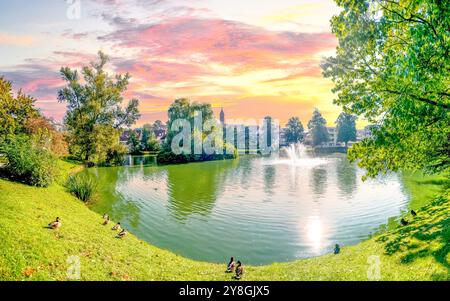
(29, 251)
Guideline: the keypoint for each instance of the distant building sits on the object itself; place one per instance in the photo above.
(283, 138)
(368, 130)
(222, 117)
(332, 132)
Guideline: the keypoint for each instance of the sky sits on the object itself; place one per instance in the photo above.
(250, 57)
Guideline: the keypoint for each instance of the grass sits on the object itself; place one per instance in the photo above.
(29, 251)
(81, 186)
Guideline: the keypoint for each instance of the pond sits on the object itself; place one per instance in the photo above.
(257, 209)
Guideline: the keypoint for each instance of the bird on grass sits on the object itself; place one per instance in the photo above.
(106, 220)
(231, 264)
(337, 249)
(239, 270)
(413, 213)
(116, 227)
(404, 222)
(55, 224)
(122, 234)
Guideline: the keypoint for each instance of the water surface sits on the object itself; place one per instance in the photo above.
(259, 210)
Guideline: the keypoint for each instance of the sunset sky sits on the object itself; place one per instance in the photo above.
(251, 57)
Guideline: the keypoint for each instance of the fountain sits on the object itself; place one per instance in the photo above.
(297, 155)
(296, 151)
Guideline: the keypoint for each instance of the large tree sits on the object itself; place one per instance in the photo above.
(294, 130)
(134, 145)
(95, 116)
(15, 111)
(392, 66)
(185, 109)
(149, 142)
(346, 128)
(317, 128)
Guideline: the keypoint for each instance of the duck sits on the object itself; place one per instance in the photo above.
(122, 234)
(413, 213)
(239, 270)
(404, 222)
(55, 224)
(231, 264)
(116, 227)
(106, 220)
(337, 249)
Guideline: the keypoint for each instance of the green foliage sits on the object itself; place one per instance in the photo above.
(184, 109)
(346, 128)
(149, 142)
(133, 143)
(82, 186)
(14, 111)
(294, 130)
(28, 162)
(317, 128)
(95, 116)
(393, 67)
(416, 252)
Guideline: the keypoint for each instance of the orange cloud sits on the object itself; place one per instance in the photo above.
(16, 40)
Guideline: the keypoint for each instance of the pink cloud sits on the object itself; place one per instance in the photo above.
(226, 42)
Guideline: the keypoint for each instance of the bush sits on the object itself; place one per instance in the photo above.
(28, 162)
(83, 187)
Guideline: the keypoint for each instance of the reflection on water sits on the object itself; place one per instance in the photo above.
(318, 180)
(253, 208)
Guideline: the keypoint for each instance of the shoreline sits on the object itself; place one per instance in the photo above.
(136, 259)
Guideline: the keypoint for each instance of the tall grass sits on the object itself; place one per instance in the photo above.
(83, 187)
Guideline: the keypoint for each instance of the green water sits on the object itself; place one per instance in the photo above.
(259, 210)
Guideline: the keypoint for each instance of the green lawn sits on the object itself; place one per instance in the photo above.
(29, 251)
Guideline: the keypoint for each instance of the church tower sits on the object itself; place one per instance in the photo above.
(222, 117)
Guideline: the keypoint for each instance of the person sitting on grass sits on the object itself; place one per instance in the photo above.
(413, 213)
(116, 227)
(122, 234)
(404, 222)
(55, 224)
(239, 270)
(231, 264)
(337, 249)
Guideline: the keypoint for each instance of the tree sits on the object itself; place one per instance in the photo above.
(45, 134)
(95, 116)
(317, 128)
(346, 128)
(14, 111)
(133, 143)
(149, 142)
(159, 128)
(183, 109)
(202, 134)
(392, 66)
(294, 130)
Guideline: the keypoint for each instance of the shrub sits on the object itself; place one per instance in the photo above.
(28, 162)
(83, 187)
